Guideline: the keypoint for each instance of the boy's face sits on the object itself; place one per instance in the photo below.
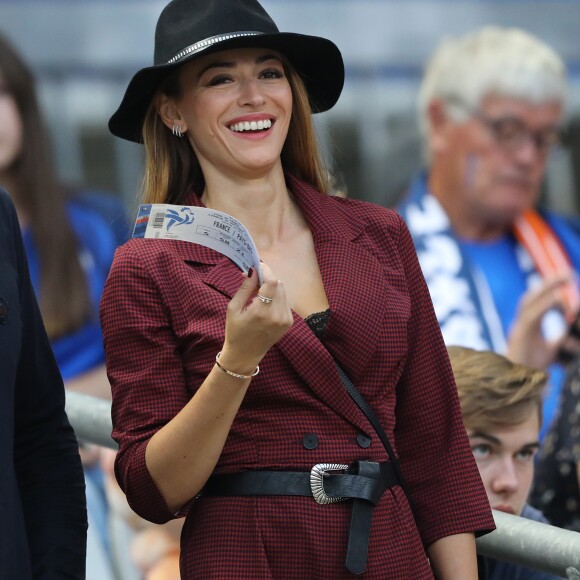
(505, 458)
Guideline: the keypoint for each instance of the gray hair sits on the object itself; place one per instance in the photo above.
(492, 60)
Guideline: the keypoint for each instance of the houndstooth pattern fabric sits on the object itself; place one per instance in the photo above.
(163, 315)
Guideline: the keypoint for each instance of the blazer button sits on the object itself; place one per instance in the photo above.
(310, 441)
(363, 440)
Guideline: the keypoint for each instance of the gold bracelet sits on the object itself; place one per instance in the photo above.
(236, 375)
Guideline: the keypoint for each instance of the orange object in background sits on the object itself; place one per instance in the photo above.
(549, 256)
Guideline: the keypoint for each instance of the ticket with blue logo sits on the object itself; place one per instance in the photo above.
(208, 227)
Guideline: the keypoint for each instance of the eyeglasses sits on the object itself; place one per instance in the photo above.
(511, 133)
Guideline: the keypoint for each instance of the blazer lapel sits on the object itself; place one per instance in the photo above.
(316, 367)
(225, 276)
(357, 291)
(355, 286)
(316, 362)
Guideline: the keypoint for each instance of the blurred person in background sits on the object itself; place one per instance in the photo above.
(141, 549)
(70, 237)
(501, 406)
(556, 489)
(502, 276)
(43, 523)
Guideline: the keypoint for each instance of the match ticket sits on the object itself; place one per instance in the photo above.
(214, 229)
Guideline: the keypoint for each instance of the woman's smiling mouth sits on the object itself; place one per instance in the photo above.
(260, 125)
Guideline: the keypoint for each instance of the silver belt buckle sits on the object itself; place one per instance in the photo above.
(317, 474)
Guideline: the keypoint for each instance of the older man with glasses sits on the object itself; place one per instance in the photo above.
(502, 274)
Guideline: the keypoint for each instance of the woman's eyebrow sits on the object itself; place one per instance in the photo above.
(232, 64)
(218, 64)
(266, 57)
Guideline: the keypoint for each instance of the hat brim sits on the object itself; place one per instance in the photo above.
(316, 59)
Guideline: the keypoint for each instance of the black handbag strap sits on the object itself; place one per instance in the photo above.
(374, 421)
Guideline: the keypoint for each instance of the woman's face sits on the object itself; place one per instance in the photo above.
(10, 129)
(236, 107)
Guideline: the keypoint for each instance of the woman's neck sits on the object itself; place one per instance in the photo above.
(263, 205)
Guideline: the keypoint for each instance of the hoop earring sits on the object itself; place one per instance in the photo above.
(176, 130)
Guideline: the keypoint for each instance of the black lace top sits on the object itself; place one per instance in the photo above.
(317, 322)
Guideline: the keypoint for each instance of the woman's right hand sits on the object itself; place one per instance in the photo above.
(253, 326)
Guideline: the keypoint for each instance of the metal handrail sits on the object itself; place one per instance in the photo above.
(519, 540)
(90, 418)
(533, 544)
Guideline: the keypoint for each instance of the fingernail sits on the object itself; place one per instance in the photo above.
(250, 272)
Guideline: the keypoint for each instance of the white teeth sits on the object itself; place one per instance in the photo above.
(251, 126)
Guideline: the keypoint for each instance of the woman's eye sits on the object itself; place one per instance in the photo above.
(272, 74)
(219, 80)
(481, 451)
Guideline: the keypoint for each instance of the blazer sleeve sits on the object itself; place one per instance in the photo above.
(145, 370)
(46, 458)
(445, 488)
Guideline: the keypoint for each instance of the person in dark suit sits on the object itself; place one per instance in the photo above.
(70, 234)
(227, 402)
(556, 489)
(43, 523)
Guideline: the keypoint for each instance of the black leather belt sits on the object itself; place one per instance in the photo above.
(363, 483)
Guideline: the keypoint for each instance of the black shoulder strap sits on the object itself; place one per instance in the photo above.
(356, 396)
(374, 421)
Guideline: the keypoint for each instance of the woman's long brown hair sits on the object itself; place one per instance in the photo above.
(64, 297)
(172, 170)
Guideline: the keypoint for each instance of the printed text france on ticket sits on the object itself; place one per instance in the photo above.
(207, 227)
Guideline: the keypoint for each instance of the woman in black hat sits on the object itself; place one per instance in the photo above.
(279, 473)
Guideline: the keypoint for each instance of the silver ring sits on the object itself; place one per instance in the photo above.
(264, 299)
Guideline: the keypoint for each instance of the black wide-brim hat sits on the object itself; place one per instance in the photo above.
(187, 29)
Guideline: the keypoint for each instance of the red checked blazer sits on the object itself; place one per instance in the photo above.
(163, 315)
